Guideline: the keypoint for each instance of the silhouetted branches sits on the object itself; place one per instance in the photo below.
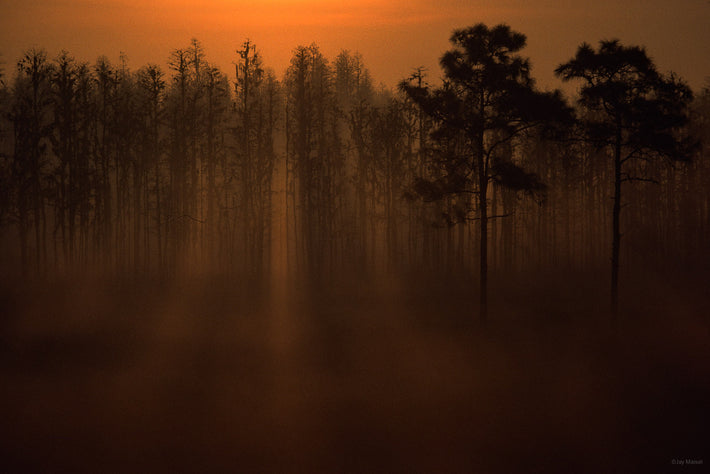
(323, 173)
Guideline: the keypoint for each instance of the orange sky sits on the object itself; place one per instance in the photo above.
(394, 36)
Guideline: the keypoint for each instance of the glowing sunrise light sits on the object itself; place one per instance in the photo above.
(393, 36)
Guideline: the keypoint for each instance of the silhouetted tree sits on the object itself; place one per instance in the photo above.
(151, 87)
(32, 124)
(418, 126)
(184, 116)
(104, 151)
(257, 99)
(249, 77)
(217, 104)
(487, 101)
(66, 119)
(101, 165)
(387, 147)
(310, 102)
(699, 189)
(6, 199)
(353, 106)
(634, 112)
(127, 163)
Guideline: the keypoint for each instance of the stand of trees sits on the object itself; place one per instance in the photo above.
(487, 102)
(633, 113)
(322, 172)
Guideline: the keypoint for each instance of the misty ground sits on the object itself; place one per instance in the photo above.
(381, 375)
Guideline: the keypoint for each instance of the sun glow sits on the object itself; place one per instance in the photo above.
(394, 36)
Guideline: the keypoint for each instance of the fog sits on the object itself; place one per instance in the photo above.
(197, 376)
(244, 273)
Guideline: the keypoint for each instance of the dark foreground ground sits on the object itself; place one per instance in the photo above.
(197, 376)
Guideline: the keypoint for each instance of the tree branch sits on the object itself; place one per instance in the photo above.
(185, 216)
(490, 217)
(629, 179)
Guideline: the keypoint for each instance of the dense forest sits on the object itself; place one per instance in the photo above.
(323, 171)
(428, 194)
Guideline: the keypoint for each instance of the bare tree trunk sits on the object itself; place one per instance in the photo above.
(483, 210)
(483, 268)
(616, 233)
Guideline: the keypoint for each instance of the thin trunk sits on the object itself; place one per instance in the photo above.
(158, 220)
(137, 180)
(483, 210)
(483, 269)
(616, 233)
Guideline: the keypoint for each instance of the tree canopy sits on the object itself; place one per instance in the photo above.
(632, 111)
(488, 99)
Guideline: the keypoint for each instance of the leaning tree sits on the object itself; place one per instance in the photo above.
(634, 113)
(487, 101)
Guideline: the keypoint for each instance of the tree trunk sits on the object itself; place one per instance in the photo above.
(483, 210)
(616, 234)
(483, 269)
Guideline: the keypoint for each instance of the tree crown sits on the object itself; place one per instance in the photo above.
(628, 99)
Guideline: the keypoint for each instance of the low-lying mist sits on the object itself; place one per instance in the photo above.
(380, 374)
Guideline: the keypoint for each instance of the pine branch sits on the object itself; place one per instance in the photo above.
(628, 179)
(498, 216)
(185, 216)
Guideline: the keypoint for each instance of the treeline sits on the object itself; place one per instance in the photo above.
(319, 172)
(137, 169)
